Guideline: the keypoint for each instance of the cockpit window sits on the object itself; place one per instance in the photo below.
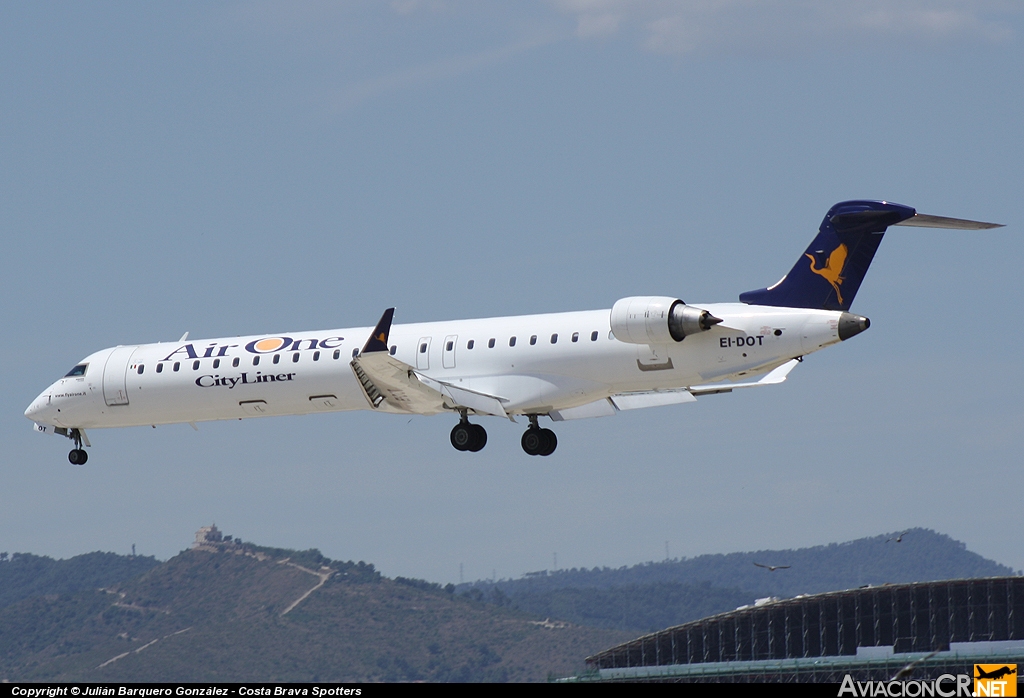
(78, 370)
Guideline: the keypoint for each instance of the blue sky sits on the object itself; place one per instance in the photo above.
(240, 168)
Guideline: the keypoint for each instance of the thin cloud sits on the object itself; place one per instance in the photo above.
(687, 26)
(443, 69)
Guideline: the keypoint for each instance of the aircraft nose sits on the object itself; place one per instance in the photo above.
(39, 410)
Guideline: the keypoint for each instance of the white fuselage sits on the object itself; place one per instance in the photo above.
(536, 364)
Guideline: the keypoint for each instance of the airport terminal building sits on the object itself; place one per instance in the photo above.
(870, 633)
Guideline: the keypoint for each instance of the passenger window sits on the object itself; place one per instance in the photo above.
(470, 344)
(575, 336)
(195, 365)
(295, 358)
(393, 349)
(511, 341)
(355, 352)
(277, 358)
(449, 346)
(316, 356)
(216, 363)
(255, 361)
(78, 370)
(423, 348)
(159, 368)
(141, 369)
(490, 343)
(533, 340)
(593, 336)
(234, 362)
(177, 365)
(337, 354)
(554, 338)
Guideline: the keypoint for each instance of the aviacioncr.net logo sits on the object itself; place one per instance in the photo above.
(946, 686)
(995, 680)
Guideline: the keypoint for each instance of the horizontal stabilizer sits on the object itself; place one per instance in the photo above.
(922, 220)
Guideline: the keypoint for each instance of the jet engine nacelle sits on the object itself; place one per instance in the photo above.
(657, 320)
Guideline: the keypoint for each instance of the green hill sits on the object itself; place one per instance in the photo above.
(23, 575)
(241, 612)
(633, 607)
(657, 595)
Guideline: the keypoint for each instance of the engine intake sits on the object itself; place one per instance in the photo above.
(657, 320)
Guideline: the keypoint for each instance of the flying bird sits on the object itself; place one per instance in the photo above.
(908, 670)
(899, 538)
(772, 568)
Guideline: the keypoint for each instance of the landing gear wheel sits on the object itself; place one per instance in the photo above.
(479, 437)
(462, 436)
(468, 437)
(550, 442)
(539, 442)
(78, 456)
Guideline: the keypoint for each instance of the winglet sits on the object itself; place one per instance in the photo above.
(378, 340)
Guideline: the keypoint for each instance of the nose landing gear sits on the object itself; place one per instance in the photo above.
(468, 437)
(537, 441)
(78, 456)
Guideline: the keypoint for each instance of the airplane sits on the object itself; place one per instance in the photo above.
(645, 351)
(996, 674)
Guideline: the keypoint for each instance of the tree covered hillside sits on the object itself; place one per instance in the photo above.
(23, 575)
(656, 595)
(922, 555)
(239, 612)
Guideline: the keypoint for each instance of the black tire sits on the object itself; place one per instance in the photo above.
(550, 442)
(78, 456)
(479, 438)
(532, 441)
(462, 436)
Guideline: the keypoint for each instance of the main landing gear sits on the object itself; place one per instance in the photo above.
(537, 441)
(472, 437)
(468, 437)
(78, 456)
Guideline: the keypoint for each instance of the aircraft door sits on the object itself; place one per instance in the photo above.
(423, 354)
(115, 373)
(448, 355)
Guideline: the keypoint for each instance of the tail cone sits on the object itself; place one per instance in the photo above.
(851, 325)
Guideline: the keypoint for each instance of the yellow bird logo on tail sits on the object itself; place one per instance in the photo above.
(833, 269)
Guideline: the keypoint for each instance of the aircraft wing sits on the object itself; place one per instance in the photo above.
(773, 377)
(656, 398)
(390, 383)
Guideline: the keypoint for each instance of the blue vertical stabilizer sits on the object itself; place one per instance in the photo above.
(829, 273)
